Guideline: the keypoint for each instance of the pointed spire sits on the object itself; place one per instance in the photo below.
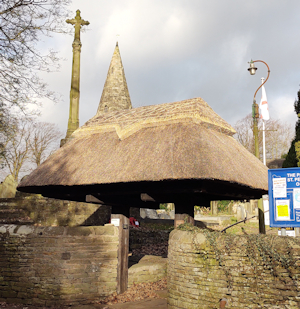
(115, 95)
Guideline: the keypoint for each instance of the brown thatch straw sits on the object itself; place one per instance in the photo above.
(181, 140)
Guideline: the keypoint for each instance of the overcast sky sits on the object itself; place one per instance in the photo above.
(174, 50)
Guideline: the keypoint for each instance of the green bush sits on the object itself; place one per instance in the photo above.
(223, 206)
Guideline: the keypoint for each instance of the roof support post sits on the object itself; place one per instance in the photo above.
(184, 211)
(121, 215)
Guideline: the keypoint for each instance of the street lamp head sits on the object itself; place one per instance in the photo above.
(252, 69)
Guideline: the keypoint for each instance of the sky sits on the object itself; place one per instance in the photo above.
(175, 50)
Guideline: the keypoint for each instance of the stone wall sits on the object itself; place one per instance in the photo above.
(52, 212)
(139, 238)
(149, 269)
(50, 266)
(251, 271)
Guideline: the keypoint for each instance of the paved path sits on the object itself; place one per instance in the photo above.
(149, 303)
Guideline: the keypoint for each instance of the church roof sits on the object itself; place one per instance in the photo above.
(176, 141)
(115, 95)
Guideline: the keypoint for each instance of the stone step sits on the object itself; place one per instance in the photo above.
(9, 203)
(12, 213)
(18, 221)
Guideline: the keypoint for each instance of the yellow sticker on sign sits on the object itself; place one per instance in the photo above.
(283, 210)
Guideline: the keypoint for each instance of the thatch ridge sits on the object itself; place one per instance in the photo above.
(127, 122)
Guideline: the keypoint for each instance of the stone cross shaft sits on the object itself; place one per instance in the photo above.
(73, 122)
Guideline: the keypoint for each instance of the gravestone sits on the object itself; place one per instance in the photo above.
(240, 213)
(149, 213)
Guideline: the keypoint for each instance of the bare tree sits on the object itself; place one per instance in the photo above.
(28, 142)
(244, 133)
(17, 146)
(278, 136)
(22, 25)
(44, 139)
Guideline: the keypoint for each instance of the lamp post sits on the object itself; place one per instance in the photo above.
(255, 113)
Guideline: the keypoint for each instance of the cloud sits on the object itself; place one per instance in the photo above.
(175, 50)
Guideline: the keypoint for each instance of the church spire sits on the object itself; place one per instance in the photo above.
(115, 95)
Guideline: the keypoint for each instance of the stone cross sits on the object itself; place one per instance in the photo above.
(73, 122)
(77, 22)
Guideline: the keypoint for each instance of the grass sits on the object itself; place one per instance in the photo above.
(158, 226)
(247, 228)
(240, 229)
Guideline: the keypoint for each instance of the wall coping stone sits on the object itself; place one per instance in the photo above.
(19, 230)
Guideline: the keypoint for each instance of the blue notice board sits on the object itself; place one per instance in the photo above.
(284, 197)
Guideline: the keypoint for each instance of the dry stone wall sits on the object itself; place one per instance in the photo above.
(150, 268)
(52, 212)
(55, 266)
(251, 271)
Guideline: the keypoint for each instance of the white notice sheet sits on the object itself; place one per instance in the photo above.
(279, 187)
(296, 195)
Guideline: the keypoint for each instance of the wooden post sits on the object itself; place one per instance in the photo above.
(120, 216)
(184, 212)
(261, 217)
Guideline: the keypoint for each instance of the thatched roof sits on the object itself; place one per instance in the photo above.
(181, 141)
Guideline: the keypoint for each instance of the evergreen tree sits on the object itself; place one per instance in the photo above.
(293, 156)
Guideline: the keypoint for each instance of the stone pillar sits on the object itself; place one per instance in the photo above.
(214, 207)
(253, 204)
(230, 206)
(247, 206)
(184, 211)
(73, 122)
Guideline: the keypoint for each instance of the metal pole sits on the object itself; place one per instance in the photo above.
(255, 128)
(283, 231)
(264, 143)
(264, 134)
(255, 115)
